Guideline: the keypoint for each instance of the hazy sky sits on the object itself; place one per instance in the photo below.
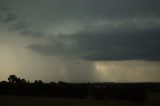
(80, 40)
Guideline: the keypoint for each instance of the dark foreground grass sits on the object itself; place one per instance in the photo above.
(46, 101)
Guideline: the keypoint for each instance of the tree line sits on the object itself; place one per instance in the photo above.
(121, 91)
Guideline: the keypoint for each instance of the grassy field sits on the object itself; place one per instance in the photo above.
(45, 101)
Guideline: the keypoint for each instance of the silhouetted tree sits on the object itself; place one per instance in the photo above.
(12, 79)
(120, 91)
(38, 82)
(23, 81)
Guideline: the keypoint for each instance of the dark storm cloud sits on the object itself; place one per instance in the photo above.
(111, 9)
(54, 38)
(5, 12)
(132, 39)
(18, 26)
(23, 28)
(15, 21)
(32, 33)
(10, 18)
(87, 9)
(2, 10)
(116, 45)
(95, 9)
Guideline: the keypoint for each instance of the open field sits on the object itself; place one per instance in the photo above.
(46, 101)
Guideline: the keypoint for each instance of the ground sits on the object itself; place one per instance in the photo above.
(47, 101)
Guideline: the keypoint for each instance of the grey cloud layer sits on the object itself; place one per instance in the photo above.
(15, 21)
(84, 10)
(119, 44)
(113, 29)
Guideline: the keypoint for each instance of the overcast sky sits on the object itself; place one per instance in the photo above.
(80, 40)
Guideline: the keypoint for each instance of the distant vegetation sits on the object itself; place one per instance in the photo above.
(111, 91)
